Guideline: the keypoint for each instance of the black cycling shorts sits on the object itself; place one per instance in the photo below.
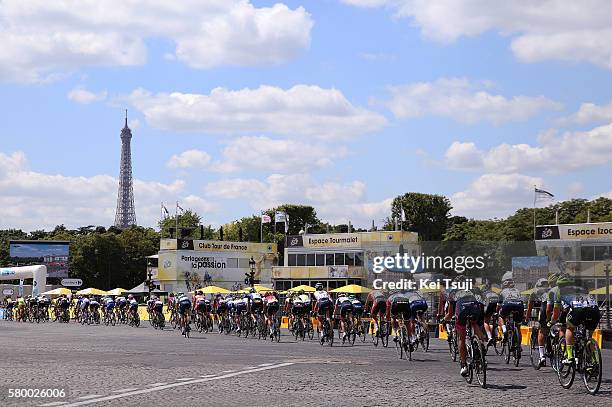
(589, 316)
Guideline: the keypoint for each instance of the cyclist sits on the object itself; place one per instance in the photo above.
(579, 308)
(287, 309)
(84, 306)
(378, 302)
(199, 304)
(9, 307)
(184, 310)
(343, 308)
(254, 303)
(241, 307)
(511, 303)
(467, 305)
(94, 307)
(158, 308)
(418, 308)
(219, 307)
(44, 303)
(537, 300)
(297, 310)
(109, 306)
(323, 307)
(398, 305)
(270, 308)
(21, 307)
(490, 300)
(121, 306)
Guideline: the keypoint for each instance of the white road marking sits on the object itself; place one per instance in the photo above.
(91, 396)
(55, 403)
(208, 375)
(266, 364)
(170, 386)
(156, 384)
(184, 379)
(228, 371)
(124, 390)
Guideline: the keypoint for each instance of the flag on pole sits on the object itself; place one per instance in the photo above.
(266, 218)
(286, 223)
(280, 217)
(179, 207)
(403, 215)
(542, 194)
(165, 210)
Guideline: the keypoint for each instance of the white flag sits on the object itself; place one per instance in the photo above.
(280, 217)
(266, 218)
(403, 215)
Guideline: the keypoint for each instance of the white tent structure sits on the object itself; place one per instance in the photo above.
(37, 273)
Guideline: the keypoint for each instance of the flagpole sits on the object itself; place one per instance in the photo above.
(261, 227)
(176, 216)
(534, 213)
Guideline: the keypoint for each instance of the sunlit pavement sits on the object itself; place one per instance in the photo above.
(99, 365)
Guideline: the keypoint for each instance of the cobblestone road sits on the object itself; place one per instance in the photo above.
(99, 365)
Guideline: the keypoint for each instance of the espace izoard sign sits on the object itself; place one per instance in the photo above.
(575, 231)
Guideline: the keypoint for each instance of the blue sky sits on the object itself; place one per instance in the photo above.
(338, 104)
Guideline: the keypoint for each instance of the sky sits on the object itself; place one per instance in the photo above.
(238, 106)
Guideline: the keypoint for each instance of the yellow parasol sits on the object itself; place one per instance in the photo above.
(213, 289)
(116, 291)
(600, 291)
(91, 291)
(352, 289)
(305, 288)
(58, 291)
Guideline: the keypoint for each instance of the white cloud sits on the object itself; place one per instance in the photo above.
(34, 200)
(495, 195)
(335, 202)
(264, 153)
(464, 101)
(42, 39)
(84, 96)
(189, 159)
(555, 154)
(302, 110)
(589, 113)
(577, 31)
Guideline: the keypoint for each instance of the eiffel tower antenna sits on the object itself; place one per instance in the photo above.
(126, 214)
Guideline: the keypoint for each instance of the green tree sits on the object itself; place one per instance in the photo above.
(426, 214)
(189, 221)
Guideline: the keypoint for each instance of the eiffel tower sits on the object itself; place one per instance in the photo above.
(126, 214)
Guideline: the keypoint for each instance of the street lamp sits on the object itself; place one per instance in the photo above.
(252, 267)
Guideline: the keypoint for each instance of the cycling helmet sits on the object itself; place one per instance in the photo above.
(319, 287)
(130, 297)
(300, 292)
(180, 294)
(199, 292)
(171, 295)
(352, 297)
(508, 283)
(541, 283)
(460, 278)
(508, 275)
(252, 290)
(565, 279)
(552, 279)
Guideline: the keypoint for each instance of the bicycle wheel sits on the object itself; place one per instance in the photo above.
(425, 341)
(498, 343)
(592, 366)
(480, 364)
(565, 373)
(399, 345)
(517, 348)
(375, 335)
(407, 344)
(508, 346)
(384, 334)
(469, 362)
(534, 353)
(310, 330)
